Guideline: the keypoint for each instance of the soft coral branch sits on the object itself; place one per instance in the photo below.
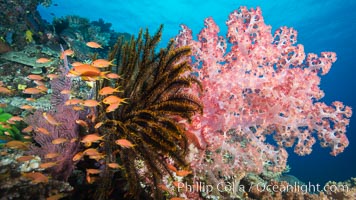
(257, 84)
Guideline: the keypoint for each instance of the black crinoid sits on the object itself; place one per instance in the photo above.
(154, 85)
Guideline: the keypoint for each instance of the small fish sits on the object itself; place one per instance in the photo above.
(73, 140)
(35, 77)
(52, 76)
(172, 168)
(73, 102)
(81, 123)
(92, 138)
(30, 99)
(97, 125)
(114, 166)
(43, 131)
(108, 90)
(68, 52)
(112, 76)
(43, 60)
(59, 141)
(27, 107)
(94, 45)
(27, 137)
(28, 129)
(24, 158)
(3, 105)
(14, 119)
(78, 156)
(32, 91)
(113, 99)
(90, 103)
(36, 177)
(183, 173)
(77, 108)
(112, 107)
(93, 171)
(16, 144)
(124, 143)
(43, 88)
(38, 83)
(85, 70)
(65, 92)
(50, 119)
(51, 155)
(102, 63)
(4, 90)
(48, 165)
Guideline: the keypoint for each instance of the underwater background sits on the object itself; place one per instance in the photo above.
(328, 25)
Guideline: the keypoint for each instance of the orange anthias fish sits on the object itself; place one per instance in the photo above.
(51, 155)
(59, 141)
(92, 138)
(78, 156)
(102, 63)
(183, 173)
(50, 119)
(112, 76)
(36, 177)
(27, 107)
(48, 165)
(68, 52)
(97, 125)
(113, 99)
(16, 144)
(27, 129)
(43, 88)
(32, 91)
(81, 123)
(35, 77)
(93, 171)
(112, 107)
(24, 158)
(94, 45)
(124, 143)
(52, 76)
(85, 70)
(15, 119)
(73, 102)
(114, 166)
(90, 103)
(108, 90)
(4, 90)
(43, 60)
(43, 131)
(65, 92)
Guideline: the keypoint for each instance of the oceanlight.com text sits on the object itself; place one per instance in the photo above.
(235, 187)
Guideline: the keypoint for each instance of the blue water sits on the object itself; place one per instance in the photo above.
(327, 25)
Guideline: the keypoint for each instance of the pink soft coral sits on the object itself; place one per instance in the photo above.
(262, 86)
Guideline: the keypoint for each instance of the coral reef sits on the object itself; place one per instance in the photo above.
(16, 18)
